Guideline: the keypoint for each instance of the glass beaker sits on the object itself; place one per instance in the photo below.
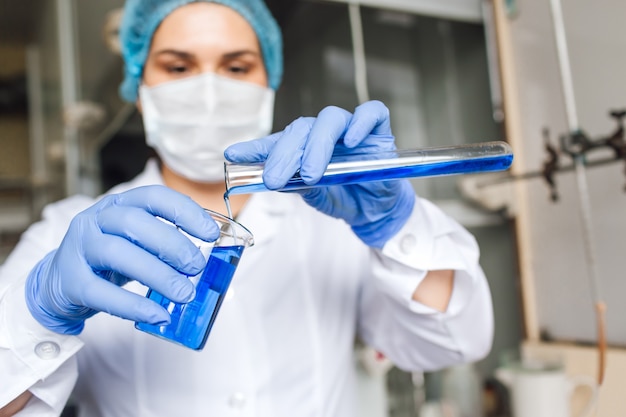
(191, 322)
(380, 166)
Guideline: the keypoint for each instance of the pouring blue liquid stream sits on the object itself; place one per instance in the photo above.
(388, 165)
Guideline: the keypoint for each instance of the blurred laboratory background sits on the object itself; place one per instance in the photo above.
(454, 72)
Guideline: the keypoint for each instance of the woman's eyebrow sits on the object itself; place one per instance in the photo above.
(179, 54)
(237, 54)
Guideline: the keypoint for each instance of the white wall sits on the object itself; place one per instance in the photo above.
(596, 36)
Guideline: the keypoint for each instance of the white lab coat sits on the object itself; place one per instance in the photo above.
(282, 344)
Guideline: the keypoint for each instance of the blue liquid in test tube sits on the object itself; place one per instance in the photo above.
(383, 166)
(191, 322)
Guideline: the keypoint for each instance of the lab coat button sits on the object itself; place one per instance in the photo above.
(47, 350)
(408, 243)
(237, 400)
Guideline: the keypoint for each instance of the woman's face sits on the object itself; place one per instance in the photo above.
(204, 37)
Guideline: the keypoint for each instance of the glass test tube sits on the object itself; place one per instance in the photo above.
(365, 167)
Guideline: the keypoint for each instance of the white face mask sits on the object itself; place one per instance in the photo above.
(190, 122)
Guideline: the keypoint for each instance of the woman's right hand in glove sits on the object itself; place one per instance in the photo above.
(118, 239)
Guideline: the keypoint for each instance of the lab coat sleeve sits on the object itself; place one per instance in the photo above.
(412, 335)
(32, 357)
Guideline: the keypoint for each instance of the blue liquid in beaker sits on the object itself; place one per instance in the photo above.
(191, 322)
(422, 170)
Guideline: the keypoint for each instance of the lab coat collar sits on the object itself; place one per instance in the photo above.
(151, 175)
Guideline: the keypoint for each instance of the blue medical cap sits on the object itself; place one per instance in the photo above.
(142, 17)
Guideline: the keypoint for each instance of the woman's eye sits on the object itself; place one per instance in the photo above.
(238, 69)
(177, 69)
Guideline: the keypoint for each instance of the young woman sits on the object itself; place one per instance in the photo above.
(372, 260)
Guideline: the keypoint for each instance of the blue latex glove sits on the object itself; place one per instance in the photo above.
(116, 240)
(376, 210)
